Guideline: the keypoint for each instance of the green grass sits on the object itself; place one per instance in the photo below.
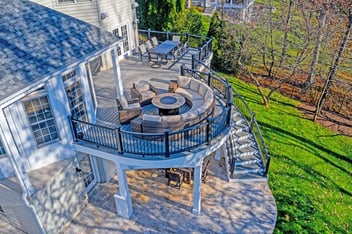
(311, 167)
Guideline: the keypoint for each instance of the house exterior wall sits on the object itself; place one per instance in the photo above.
(83, 10)
(15, 210)
(117, 12)
(62, 198)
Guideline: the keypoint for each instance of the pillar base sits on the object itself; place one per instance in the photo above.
(196, 211)
(123, 206)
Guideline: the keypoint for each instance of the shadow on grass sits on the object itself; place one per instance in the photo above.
(298, 207)
(320, 147)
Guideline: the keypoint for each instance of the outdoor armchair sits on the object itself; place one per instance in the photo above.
(143, 53)
(155, 41)
(144, 91)
(128, 109)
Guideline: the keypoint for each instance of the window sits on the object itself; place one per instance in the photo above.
(2, 150)
(41, 119)
(122, 32)
(86, 170)
(74, 95)
(116, 32)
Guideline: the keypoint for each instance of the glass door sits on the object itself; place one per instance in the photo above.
(85, 168)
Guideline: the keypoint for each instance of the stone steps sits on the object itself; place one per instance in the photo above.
(244, 160)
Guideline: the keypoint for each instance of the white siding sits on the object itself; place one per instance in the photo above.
(119, 12)
(86, 11)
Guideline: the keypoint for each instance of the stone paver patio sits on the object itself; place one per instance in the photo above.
(226, 207)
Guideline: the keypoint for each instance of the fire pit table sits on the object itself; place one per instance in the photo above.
(168, 103)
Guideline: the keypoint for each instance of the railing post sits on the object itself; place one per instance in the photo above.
(187, 36)
(229, 95)
(167, 146)
(208, 131)
(182, 69)
(193, 65)
(149, 33)
(168, 35)
(118, 140)
(200, 54)
(209, 79)
(228, 117)
(73, 128)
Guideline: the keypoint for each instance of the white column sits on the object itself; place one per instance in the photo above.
(123, 197)
(117, 72)
(197, 189)
(14, 156)
(88, 100)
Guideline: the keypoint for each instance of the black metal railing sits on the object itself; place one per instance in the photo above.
(202, 43)
(151, 144)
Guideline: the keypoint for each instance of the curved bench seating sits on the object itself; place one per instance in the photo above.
(197, 94)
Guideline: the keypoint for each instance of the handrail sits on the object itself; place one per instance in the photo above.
(151, 144)
(241, 105)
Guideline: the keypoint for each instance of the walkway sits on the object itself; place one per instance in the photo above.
(226, 207)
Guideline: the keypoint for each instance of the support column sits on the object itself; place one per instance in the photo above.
(197, 189)
(123, 197)
(117, 72)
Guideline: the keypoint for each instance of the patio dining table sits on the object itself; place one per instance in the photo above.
(164, 48)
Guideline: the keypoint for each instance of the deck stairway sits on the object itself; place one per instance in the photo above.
(243, 159)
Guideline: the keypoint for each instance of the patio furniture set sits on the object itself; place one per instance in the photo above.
(185, 90)
(153, 51)
(176, 176)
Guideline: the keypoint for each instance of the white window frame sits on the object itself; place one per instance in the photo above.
(38, 95)
(72, 80)
(121, 47)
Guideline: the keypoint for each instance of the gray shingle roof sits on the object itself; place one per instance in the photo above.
(36, 41)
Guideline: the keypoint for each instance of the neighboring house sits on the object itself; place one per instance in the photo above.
(116, 16)
(45, 76)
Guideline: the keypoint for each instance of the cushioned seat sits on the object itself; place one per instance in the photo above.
(189, 94)
(128, 109)
(144, 91)
(196, 93)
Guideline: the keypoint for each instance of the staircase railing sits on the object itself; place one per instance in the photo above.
(240, 104)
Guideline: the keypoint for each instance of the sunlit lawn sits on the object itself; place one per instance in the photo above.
(311, 167)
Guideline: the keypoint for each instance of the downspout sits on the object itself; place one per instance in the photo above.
(26, 194)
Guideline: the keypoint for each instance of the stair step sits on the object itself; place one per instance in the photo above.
(239, 170)
(246, 162)
(249, 146)
(246, 154)
(248, 177)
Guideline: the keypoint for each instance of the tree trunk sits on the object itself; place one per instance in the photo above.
(287, 23)
(333, 69)
(313, 66)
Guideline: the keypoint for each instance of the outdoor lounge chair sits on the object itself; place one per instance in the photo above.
(144, 91)
(128, 109)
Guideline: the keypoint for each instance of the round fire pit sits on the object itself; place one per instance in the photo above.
(168, 100)
(168, 103)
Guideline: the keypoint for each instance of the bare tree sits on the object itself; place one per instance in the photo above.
(335, 65)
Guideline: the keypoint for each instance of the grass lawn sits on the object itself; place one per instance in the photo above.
(311, 167)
